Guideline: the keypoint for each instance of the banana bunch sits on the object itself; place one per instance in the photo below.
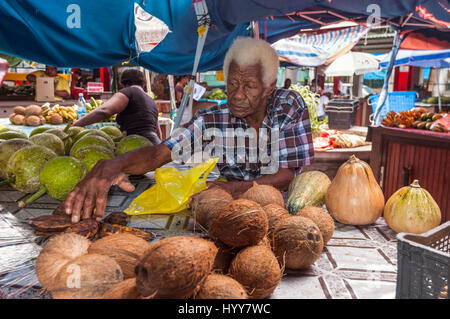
(68, 113)
(93, 104)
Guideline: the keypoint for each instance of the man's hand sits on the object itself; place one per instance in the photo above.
(92, 191)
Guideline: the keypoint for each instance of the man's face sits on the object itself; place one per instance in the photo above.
(245, 89)
(51, 70)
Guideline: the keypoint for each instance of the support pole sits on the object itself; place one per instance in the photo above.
(383, 95)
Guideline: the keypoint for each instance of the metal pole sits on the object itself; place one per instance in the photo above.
(383, 95)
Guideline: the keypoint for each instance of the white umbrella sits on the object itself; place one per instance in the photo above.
(352, 63)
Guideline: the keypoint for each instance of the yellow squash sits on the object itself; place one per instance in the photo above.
(412, 209)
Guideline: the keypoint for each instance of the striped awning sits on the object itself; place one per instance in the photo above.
(321, 47)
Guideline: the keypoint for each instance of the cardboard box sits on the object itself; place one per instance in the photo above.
(45, 89)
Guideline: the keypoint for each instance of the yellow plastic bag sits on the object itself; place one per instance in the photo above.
(172, 190)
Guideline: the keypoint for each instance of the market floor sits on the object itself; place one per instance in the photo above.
(359, 262)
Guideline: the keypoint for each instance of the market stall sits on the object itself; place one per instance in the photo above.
(358, 259)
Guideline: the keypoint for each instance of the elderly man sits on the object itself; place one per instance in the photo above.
(261, 134)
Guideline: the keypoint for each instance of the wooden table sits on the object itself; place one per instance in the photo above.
(400, 156)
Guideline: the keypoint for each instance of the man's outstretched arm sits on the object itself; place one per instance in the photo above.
(92, 191)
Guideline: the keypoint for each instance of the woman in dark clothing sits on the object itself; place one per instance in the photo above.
(137, 113)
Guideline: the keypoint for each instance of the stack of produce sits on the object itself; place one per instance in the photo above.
(93, 104)
(53, 161)
(418, 119)
(61, 114)
(247, 245)
(257, 238)
(32, 115)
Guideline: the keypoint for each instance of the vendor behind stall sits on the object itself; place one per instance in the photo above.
(137, 113)
(327, 94)
(278, 117)
(62, 88)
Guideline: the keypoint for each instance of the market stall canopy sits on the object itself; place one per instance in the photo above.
(419, 58)
(311, 49)
(352, 63)
(101, 33)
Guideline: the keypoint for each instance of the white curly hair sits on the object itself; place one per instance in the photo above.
(250, 51)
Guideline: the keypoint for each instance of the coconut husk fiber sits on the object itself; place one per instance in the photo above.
(58, 251)
(174, 267)
(218, 286)
(89, 276)
(224, 256)
(126, 249)
(264, 195)
(240, 223)
(274, 213)
(322, 219)
(123, 290)
(297, 242)
(208, 203)
(257, 269)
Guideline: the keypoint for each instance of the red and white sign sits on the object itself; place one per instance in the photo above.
(95, 87)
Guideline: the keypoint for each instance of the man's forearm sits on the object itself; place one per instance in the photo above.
(92, 117)
(144, 159)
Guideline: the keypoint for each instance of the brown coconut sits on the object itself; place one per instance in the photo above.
(19, 110)
(322, 219)
(17, 119)
(208, 203)
(274, 213)
(224, 256)
(264, 195)
(89, 276)
(265, 242)
(240, 223)
(56, 119)
(218, 286)
(174, 267)
(123, 290)
(297, 242)
(32, 120)
(125, 249)
(258, 270)
(33, 110)
(58, 251)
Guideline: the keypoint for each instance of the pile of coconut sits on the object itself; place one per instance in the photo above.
(29, 116)
(250, 243)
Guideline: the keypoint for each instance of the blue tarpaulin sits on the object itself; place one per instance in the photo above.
(88, 34)
(420, 58)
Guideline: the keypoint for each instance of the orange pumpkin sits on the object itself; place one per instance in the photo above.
(354, 196)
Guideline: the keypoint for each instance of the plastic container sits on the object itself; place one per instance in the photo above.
(81, 106)
(423, 264)
(395, 101)
(341, 113)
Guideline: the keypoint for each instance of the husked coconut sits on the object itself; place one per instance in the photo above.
(257, 269)
(19, 110)
(89, 276)
(32, 120)
(33, 110)
(240, 223)
(264, 195)
(123, 290)
(58, 251)
(322, 219)
(217, 286)
(125, 249)
(174, 267)
(297, 242)
(274, 213)
(206, 204)
(224, 257)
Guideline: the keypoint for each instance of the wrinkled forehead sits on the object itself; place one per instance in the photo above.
(245, 70)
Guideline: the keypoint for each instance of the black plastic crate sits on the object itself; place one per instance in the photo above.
(423, 264)
(341, 113)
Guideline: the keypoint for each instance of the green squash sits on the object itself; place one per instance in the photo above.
(307, 189)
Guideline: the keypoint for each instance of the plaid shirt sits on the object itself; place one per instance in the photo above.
(285, 139)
